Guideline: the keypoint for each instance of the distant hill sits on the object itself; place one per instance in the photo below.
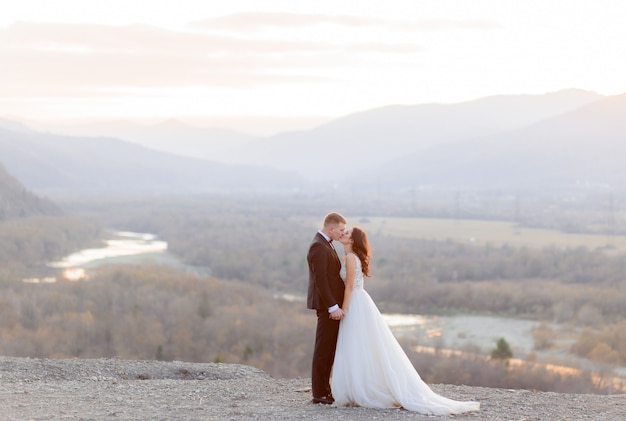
(582, 147)
(13, 126)
(17, 202)
(56, 164)
(172, 136)
(360, 142)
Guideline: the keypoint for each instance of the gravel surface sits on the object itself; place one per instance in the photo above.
(114, 389)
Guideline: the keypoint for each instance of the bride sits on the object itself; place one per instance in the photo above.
(371, 369)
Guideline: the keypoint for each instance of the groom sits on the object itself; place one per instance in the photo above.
(325, 296)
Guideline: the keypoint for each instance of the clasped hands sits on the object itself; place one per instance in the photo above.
(337, 314)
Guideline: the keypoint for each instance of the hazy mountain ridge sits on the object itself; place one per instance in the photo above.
(583, 146)
(66, 164)
(499, 141)
(13, 126)
(172, 136)
(366, 140)
(17, 202)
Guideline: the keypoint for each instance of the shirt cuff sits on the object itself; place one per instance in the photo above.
(333, 308)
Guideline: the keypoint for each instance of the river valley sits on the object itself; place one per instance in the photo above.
(476, 334)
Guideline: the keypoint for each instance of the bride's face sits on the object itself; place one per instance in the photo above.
(346, 238)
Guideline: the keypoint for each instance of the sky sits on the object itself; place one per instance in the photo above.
(263, 66)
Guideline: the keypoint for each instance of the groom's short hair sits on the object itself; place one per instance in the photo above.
(334, 218)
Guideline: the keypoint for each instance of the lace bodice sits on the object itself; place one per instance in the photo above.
(358, 276)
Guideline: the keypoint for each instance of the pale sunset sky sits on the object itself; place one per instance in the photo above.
(267, 65)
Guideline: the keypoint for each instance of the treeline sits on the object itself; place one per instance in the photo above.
(466, 367)
(27, 244)
(449, 261)
(478, 371)
(607, 344)
(150, 312)
(539, 299)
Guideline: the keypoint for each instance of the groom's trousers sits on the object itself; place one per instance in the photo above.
(323, 354)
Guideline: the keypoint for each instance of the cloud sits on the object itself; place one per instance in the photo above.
(255, 21)
(73, 58)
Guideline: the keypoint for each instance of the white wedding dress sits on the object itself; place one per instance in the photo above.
(371, 368)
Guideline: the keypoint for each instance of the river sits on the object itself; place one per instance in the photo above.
(124, 243)
(465, 331)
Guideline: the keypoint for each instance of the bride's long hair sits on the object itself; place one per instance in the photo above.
(361, 247)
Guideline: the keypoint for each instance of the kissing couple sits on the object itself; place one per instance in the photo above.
(356, 359)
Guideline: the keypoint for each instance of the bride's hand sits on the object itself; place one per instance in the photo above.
(337, 314)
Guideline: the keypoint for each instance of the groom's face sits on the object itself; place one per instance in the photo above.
(336, 231)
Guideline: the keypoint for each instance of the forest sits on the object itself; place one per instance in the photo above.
(138, 312)
(239, 254)
(27, 244)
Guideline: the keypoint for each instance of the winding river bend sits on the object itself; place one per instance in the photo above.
(124, 243)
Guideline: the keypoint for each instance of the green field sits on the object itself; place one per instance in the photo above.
(478, 232)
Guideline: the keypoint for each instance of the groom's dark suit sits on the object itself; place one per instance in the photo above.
(326, 288)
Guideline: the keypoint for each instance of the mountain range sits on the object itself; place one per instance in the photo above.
(62, 165)
(515, 141)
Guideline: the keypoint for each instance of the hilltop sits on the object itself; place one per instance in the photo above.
(122, 389)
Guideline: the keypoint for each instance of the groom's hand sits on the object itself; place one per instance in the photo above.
(337, 314)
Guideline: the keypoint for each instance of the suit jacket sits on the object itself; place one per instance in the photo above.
(326, 288)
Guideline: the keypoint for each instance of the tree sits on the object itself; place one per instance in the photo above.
(502, 351)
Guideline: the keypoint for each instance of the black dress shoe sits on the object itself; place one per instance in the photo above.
(326, 400)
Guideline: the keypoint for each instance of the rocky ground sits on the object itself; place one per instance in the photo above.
(114, 389)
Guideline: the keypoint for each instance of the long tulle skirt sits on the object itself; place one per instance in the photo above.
(371, 369)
